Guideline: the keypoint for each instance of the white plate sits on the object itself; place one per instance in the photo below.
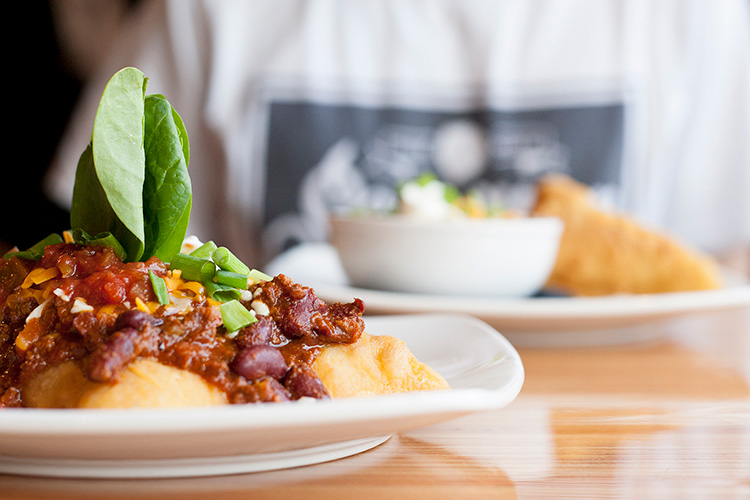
(549, 321)
(547, 314)
(484, 370)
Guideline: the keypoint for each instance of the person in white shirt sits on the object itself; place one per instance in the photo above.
(296, 108)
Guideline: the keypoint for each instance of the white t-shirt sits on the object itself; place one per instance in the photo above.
(295, 108)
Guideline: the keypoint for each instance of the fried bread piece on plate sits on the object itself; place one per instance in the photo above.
(603, 252)
(372, 365)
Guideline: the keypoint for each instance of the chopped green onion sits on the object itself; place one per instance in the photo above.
(105, 239)
(236, 316)
(109, 240)
(451, 193)
(425, 178)
(227, 261)
(221, 293)
(230, 278)
(255, 276)
(160, 288)
(36, 251)
(205, 251)
(193, 268)
(80, 237)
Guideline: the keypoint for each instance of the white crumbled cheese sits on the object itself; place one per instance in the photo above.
(231, 335)
(80, 305)
(260, 308)
(37, 312)
(257, 292)
(170, 309)
(60, 293)
(190, 243)
(246, 295)
(180, 304)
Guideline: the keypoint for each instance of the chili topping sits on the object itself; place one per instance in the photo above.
(82, 303)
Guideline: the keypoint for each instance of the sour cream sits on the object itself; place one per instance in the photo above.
(427, 201)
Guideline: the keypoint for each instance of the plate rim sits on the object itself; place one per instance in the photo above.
(619, 305)
(187, 467)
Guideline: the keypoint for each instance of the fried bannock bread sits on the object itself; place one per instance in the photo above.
(144, 383)
(374, 365)
(603, 252)
(80, 328)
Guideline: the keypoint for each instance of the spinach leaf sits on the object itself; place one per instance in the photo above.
(132, 188)
(167, 195)
(90, 209)
(107, 196)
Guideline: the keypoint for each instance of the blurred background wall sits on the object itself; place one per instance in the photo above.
(55, 46)
(60, 43)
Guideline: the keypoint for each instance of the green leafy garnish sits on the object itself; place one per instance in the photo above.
(36, 251)
(425, 178)
(235, 316)
(132, 179)
(230, 278)
(256, 276)
(451, 193)
(222, 293)
(226, 260)
(222, 274)
(193, 268)
(167, 196)
(205, 251)
(105, 239)
(159, 287)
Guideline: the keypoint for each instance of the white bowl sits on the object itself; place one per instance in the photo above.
(503, 257)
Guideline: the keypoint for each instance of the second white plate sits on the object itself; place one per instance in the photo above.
(547, 314)
(548, 321)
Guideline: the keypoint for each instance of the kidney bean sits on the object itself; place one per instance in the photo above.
(262, 331)
(133, 318)
(258, 361)
(111, 356)
(301, 381)
(270, 390)
(299, 313)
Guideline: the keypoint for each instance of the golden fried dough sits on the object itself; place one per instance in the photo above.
(606, 253)
(61, 386)
(374, 365)
(143, 383)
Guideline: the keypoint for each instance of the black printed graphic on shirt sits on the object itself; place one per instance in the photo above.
(322, 158)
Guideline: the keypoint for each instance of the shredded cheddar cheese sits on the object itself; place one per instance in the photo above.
(30, 333)
(39, 275)
(193, 286)
(108, 309)
(66, 270)
(147, 307)
(140, 304)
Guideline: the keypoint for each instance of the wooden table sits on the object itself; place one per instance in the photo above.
(663, 418)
